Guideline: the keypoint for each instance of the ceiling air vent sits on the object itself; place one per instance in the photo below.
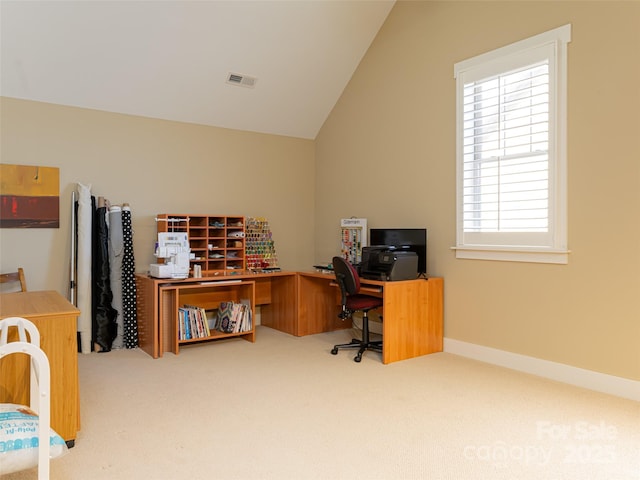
(241, 80)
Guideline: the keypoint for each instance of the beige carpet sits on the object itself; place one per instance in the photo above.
(285, 408)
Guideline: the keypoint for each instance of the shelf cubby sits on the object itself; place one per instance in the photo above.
(208, 297)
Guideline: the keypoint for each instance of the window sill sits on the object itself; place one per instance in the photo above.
(504, 254)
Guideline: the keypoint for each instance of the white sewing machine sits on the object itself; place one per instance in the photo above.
(174, 248)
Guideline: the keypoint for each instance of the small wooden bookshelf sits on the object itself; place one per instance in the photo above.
(207, 297)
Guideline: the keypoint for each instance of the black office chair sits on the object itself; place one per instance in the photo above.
(353, 301)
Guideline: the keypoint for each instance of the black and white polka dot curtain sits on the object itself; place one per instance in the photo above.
(129, 312)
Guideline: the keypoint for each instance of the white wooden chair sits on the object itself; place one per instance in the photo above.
(40, 380)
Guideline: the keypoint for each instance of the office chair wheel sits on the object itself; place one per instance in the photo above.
(334, 351)
(358, 358)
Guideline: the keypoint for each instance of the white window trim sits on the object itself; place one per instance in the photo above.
(558, 252)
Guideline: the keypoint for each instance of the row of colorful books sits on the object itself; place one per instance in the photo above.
(234, 317)
(231, 317)
(192, 323)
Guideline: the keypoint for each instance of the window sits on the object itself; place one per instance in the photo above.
(511, 151)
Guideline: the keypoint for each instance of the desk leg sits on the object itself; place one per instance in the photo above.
(167, 325)
(412, 319)
(278, 305)
(147, 313)
(318, 306)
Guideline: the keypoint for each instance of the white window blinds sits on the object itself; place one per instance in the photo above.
(511, 150)
(506, 152)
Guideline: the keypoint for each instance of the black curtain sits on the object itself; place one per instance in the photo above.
(104, 327)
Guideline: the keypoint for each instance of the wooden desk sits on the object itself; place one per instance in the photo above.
(412, 312)
(56, 319)
(301, 304)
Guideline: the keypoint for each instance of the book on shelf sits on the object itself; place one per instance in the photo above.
(192, 323)
(181, 330)
(234, 317)
(225, 317)
(247, 318)
(184, 332)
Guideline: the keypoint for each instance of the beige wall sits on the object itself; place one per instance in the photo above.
(157, 167)
(387, 153)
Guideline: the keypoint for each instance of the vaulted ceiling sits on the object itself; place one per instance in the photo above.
(173, 59)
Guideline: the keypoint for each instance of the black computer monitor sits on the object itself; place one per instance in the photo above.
(411, 239)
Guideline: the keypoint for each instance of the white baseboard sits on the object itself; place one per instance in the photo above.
(600, 382)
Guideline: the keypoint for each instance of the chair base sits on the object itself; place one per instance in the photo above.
(361, 345)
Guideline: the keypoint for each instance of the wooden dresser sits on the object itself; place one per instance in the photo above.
(56, 319)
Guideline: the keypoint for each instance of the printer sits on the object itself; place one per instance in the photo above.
(386, 263)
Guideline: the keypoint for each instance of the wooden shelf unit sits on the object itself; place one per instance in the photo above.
(216, 241)
(207, 295)
(274, 293)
